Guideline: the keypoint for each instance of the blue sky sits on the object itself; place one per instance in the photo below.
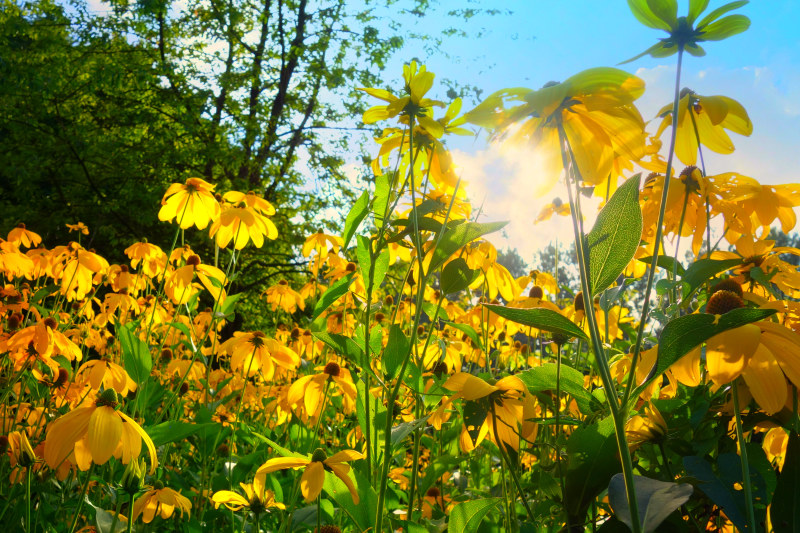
(544, 40)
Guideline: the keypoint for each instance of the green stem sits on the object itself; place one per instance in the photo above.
(130, 512)
(748, 488)
(28, 475)
(558, 433)
(501, 446)
(651, 275)
(82, 498)
(319, 514)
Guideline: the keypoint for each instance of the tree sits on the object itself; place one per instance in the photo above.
(511, 259)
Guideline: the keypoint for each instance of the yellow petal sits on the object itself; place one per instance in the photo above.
(312, 480)
(343, 473)
(765, 379)
(343, 456)
(105, 431)
(727, 353)
(280, 463)
(63, 433)
(470, 387)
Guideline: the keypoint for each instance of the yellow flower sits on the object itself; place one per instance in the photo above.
(180, 287)
(282, 295)
(159, 501)
(258, 499)
(152, 258)
(683, 34)
(105, 373)
(191, 203)
(765, 203)
(712, 115)
(243, 220)
(253, 353)
(77, 270)
(96, 433)
(21, 236)
(315, 467)
(507, 404)
(646, 427)
(556, 207)
(80, 227)
(311, 389)
(321, 242)
(595, 108)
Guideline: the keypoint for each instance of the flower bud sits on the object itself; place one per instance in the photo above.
(133, 477)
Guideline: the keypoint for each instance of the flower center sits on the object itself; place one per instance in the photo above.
(318, 456)
(332, 369)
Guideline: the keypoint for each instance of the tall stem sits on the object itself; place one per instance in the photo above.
(748, 488)
(501, 446)
(83, 497)
(651, 275)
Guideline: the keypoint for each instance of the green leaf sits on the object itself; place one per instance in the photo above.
(401, 431)
(469, 331)
(695, 8)
(615, 236)
(228, 306)
(591, 461)
(543, 378)
(380, 202)
(363, 513)
(667, 262)
(539, 318)
(785, 510)
(457, 276)
(135, 354)
(341, 345)
(720, 492)
(167, 432)
(334, 292)
(283, 452)
(373, 275)
(456, 237)
(666, 10)
(356, 215)
(726, 27)
(641, 10)
(695, 49)
(467, 516)
(657, 50)
(703, 269)
(656, 500)
(683, 334)
(397, 347)
(717, 13)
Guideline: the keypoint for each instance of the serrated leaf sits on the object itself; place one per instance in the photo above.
(354, 218)
(466, 517)
(543, 378)
(785, 509)
(683, 334)
(334, 292)
(456, 237)
(656, 500)
(539, 318)
(704, 269)
(667, 262)
(615, 236)
(457, 276)
(135, 354)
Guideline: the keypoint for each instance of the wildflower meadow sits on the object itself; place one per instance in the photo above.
(403, 379)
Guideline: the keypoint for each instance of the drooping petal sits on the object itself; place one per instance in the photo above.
(727, 353)
(312, 480)
(105, 432)
(63, 433)
(281, 463)
(470, 387)
(343, 473)
(343, 456)
(765, 379)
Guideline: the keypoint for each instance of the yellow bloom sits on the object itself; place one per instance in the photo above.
(282, 295)
(257, 499)
(77, 270)
(556, 207)
(712, 115)
(180, 286)
(80, 227)
(242, 220)
(105, 373)
(191, 203)
(312, 388)
(159, 501)
(507, 404)
(21, 236)
(254, 353)
(94, 434)
(321, 242)
(595, 108)
(152, 258)
(315, 467)
(645, 427)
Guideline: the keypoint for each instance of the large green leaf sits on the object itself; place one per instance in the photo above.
(457, 236)
(721, 493)
(717, 13)
(543, 378)
(457, 276)
(167, 432)
(726, 27)
(702, 270)
(469, 331)
(592, 459)
(539, 318)
(467, 516)
(785, 509)
(666, 10)
(641, 10)
(397, 347)
(380, 203)
(373, 274)
(357, 214)
(685, 333)
(615, 236)
(341, 345)
(362, 513)
(334, 292)
(656, 500)
(135, 354)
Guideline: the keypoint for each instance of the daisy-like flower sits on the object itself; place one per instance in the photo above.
(254, 352)
(80, 227)
(312, 389)
(418, 81)
(315, 468)
(594, 108)
(96, 433)
(105, 373)
(191, 204)
(648, 426)
(161, 501)
(766, 203)
(21, 236)
(77, 269)
(556, 207)
(496, 278)
(41, 342)
(256, 498)
(322, 243)
(764, 255)
(151, 257)
(243, 220)
(282, 295)
(180, 286)
(504, 407)
(711, 116)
